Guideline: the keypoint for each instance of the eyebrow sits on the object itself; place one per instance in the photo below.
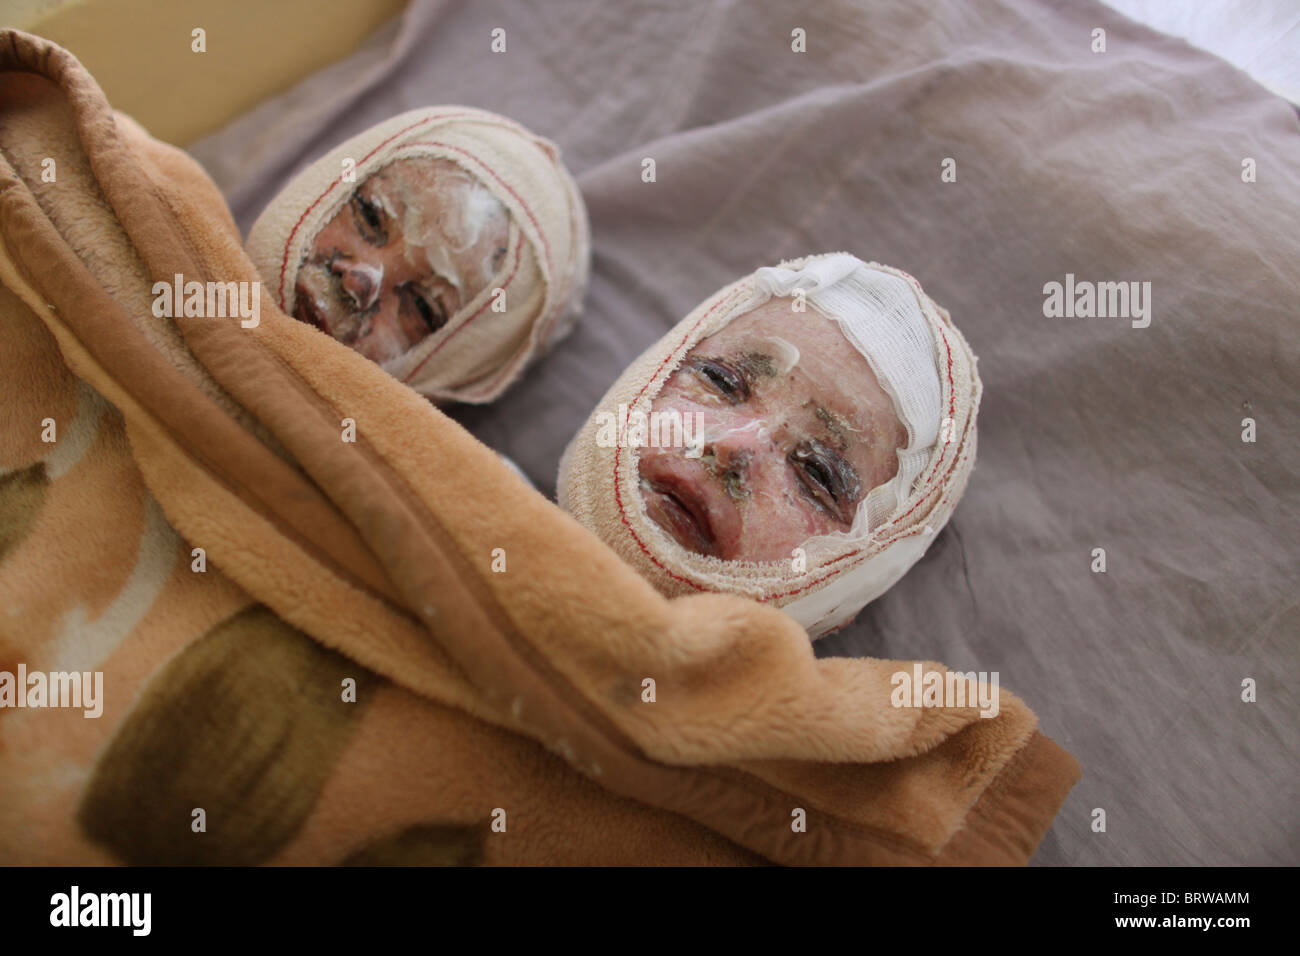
(835, 424)
(755, 364)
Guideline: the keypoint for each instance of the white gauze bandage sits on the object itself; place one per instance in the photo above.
(921, 361)
(481, 350)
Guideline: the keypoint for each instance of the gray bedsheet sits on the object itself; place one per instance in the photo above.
(1123, 165)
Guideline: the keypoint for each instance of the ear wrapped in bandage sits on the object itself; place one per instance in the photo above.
(825, 440)
(487, 258)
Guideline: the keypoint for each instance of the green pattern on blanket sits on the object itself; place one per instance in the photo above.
(22, 493)
(427, 844)
(246, 724)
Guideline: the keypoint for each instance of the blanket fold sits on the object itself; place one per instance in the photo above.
(333, 626)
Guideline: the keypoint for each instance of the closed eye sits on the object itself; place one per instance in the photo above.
(430, 310)
(370, 219)
(730, 383)
(827, 478)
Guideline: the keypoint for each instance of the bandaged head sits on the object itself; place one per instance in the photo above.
(448, 244)
(799, 438)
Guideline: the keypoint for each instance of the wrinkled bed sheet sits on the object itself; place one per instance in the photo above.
(1117, 166)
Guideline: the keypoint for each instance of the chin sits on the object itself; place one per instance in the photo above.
(379, 353)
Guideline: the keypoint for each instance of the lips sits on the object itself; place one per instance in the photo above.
(681, 516)
(680, 499)
(316, 302)
(305, 310)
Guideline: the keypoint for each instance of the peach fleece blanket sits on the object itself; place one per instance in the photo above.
(382, 650)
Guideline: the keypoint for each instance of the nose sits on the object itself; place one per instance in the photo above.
(730, 449)
(360, 280)
(734, 437)
(729, 456)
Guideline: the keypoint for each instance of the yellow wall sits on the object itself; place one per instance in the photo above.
(139, 50)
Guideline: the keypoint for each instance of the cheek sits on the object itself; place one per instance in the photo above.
(777, 516)
(681, 385)
(387, 337)
(479, 261)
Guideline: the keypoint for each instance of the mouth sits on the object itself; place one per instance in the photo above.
(671, 505)
(305, 310)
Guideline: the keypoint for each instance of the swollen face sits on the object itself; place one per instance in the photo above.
(415, 242)
(796, 431)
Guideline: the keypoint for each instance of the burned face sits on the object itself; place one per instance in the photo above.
(796, 432)
(416, 241)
